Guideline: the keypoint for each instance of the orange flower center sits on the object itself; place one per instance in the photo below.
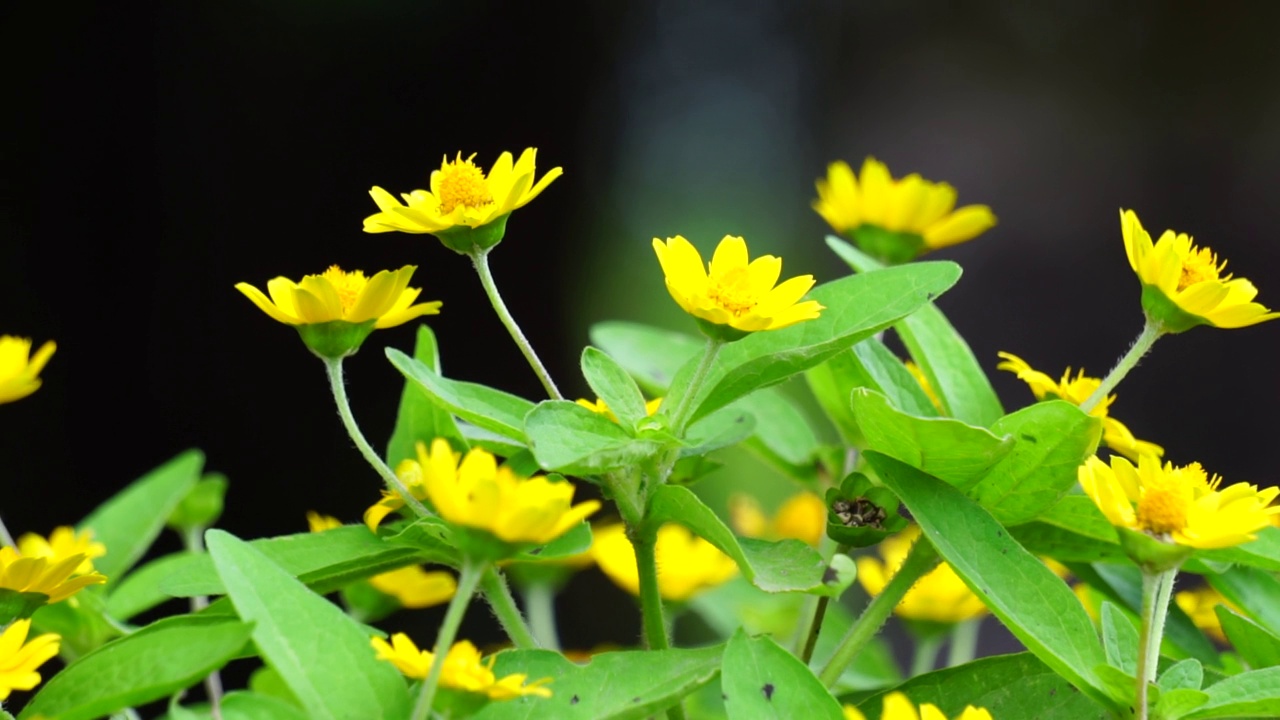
(1200, 265)
(732, 291)
(348, 285)
(462, 183)
(1162, 509)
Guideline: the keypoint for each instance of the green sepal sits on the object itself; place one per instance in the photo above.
(1165, 313)
(466, 240)
(1151, 554)
(723, 333)
(887, 246)
(335, 339)
(16, 605)
(857, 487)
(201, 506)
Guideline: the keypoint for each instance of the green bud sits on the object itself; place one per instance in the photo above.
(888, 246)
(1165, 313)
(335, 339)
(466, 240)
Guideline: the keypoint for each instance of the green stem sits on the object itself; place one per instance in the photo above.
(645, 540)
(540, 599)
(964, 642)
(1150, 333)
(193, 542)
(919, 561)
(1156, 589)
(6, 540)
(683, 407)
(498, 593)
(480, 258)
(926, 654)
(336, 384)
(468, 578)
(813, 628)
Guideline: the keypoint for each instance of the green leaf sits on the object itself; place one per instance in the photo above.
(612, 686)
(16, 605)
(1080, 515)
(1036, 606)
(947, 449)
(1263, 553)
(1251, 694)
(420, 418)
(1120, 639)
(1257, 645)
(1041, 538)
(334, 673)
(326, 561)
(857, 307)
(611, 383)
(1175, 704)
(130, 521)
(651, 355)
(722, 428)
(568, 438)
(1184, 674)
(1123, 584)
(1008, 686)
(480, 405)
(140, 591)
(869, 364)
(786, 566)
(761, 680)
(242, 705)
(202, 505)
(1253, 591)
(1052, 440)
(782, 434)
(156, 661)
(936, 346)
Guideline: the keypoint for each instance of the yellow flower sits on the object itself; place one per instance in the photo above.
(803, 517)
(924, 383)
(52, 577)
(411, 586)
(1182, 505)
(63, 542)
(898, 707)
(1183, 285)
(462, 669)
(336, 294)
(599, 406)
(687, 564)
(19, 377)
(940, 596)
(319, 523)
(462, 199)
(732, 291)
(19, 659)
(1075, 391)
(1198, 603)
(919, 212)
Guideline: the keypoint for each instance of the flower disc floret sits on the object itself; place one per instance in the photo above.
(19, 659)
(940, 596)
(687, 564)
(1179, 505)
(19, 371)
(1183, 285)
(463, 669)
(730, 291)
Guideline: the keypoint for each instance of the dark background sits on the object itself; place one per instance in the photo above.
(153, 156)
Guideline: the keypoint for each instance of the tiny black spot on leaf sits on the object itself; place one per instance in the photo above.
(931, 296)
(1029, 438)
(1004, 551)
(768, 691)
(635, 699)
(1053, 691)
(573, 700)
(829, 575)
(536, 551)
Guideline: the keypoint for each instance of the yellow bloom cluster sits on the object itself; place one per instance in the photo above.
(802, 516)
(411, 586)
(20, 659)
(687, 564)
(940, 596)
(463, 669)
(336, 294)
(897, 706)
(20, 376)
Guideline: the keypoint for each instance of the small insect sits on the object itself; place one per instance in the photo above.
(859, 512)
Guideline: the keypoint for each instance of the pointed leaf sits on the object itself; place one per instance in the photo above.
(1253, 591)
(568, 438)
(420, 418)
(140, 591)
(1184, 674)
(760, 680)
(1257, 645)
(1120, 638)
(611, 383)
(1251, 694)
(481, 405)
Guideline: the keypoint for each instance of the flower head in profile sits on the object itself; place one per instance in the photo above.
(896, 220)
(19, 371)
(600, 407)
(336, 310)
(802, 516)
(1075, 391)
(1180, 505)
(412, 586)
(465, 208)
(687, 564)
(1183, 285)
(55, 577)
(20, 659)
(62, 543)
(897, 706)
(463, 669)
(940, 596)
(731, 296)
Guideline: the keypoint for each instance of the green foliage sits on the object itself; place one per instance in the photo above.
(568, 438)
(1257, 645)
(1253, 591)
(611, 383)
(1120, 639)
(1250, 694)
(420, 418)
(869, 364)
(761, 680)
(140, 591)
(202, 505)
(483, 406)
(241, 705)
(1122, 583)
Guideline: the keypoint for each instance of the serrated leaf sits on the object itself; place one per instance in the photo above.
(611, 383)
(1257, 645)
(760, 680)
(1119, 639)
(568, 438)
(156, 661)
(334, 674)
(481, 405)
(1252, 694)
(420, 418)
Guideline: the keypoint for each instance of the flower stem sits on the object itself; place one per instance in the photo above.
(1151, 332)
(644, 538)
(684, 406)
(964, 642)
(540, 599)
(813, 628)
(480, 258)
(334, 369)
(193, 542)
(919, 561)
(926, 654)
(498, 593)
(1156, 589)
(6, 540)
(468, 577)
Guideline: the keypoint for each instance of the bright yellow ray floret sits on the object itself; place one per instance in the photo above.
(19, 659)
(732, 291)
(602, 408)
(687, 564)
(63, 542)
(802, 516)
(1075, 391)
(1182, 505)
(461, 194)
(412, 586)
(20, 376)
(53, 577)
(1183, 285)
(911, 205)
(463, 669)
(337, 294)
(897, 706)
(940, 596)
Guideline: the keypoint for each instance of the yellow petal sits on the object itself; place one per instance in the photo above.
(964, 224)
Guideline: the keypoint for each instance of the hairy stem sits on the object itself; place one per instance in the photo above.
(480, 258)
(468, 578)
(540, 599)
(1150, 333)
(684, 406)
(498, 593)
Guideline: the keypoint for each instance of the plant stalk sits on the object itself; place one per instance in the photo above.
(193, 542)
(813, 628)
(496, 590)
(964, 642)
(480, 258)
(540, 599)
(1156, 590)
(468, 578)
(926, 654)
(1150, 333)
(684, 406)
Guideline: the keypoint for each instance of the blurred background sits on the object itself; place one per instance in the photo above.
(153, 156)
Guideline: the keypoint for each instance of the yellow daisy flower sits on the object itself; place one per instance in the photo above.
(803, 516)
(462, 671)
(19, 659)
(1075, 391)
(896, 220)
(730, 291)
(687, 564)
(1183, 285)
(1182, 505)
(19, 377)
(600, 407)
(50, 576)
(1198, 603)
(462, 201)
(412, 586)
(898, 707)
(940, 596)
(63, 542)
